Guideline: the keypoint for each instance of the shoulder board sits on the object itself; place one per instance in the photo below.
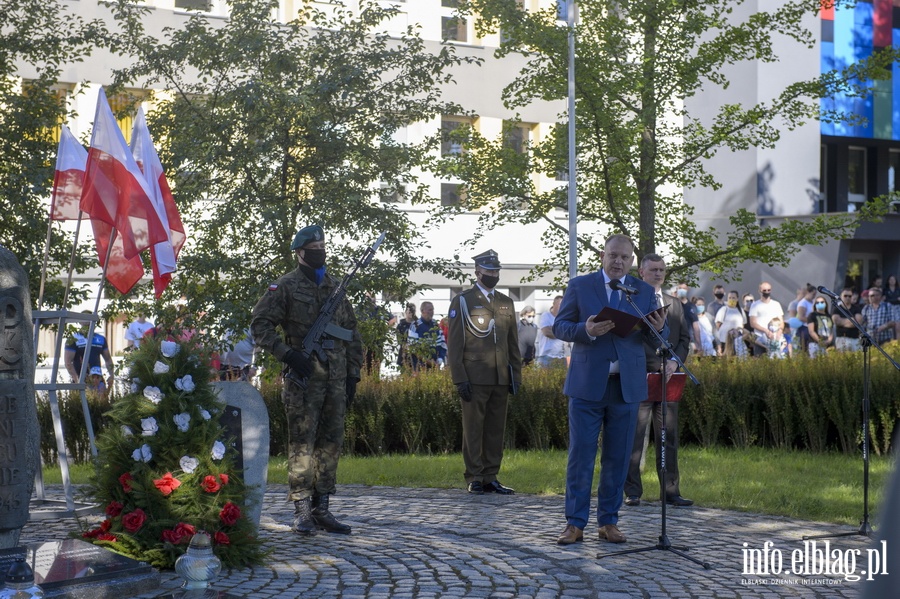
(273, 286)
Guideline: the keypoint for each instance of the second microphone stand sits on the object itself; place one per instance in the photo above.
(866, 340)
(663, 543)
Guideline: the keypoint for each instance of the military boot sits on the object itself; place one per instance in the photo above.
(324, 519)
(304, 523)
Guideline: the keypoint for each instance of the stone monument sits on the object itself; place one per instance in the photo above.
(246, 421)
(19, 431)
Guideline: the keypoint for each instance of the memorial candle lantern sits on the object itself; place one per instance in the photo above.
(198, 566)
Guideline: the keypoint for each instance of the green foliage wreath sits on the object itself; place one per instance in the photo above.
(165, 467)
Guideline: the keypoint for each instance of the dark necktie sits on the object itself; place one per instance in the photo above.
(613, 292)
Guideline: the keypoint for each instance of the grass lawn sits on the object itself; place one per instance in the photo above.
(826, 487)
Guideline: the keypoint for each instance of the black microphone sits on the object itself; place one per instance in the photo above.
(618, 286)
(825, 291)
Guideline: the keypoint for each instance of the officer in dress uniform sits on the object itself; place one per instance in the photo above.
(315, 415)
(485, 365)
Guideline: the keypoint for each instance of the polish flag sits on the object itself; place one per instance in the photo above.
(70, 162)
(117, 198)
(162, 255)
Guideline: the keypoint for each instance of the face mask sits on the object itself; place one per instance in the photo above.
(529, 319)
(820, 306)
(773, 328)
(314, 258)
(766, 294)
(489, 281)
(732, 303)
(681, 293)
(719, 295)
(701, 309)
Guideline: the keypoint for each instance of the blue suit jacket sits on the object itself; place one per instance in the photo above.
(589, 367)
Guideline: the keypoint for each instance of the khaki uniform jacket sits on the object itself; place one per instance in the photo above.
(292, 303)
(483, 360)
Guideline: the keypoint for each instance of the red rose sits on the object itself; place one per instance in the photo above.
(180, 534)
(167, 484)
(223, 478)
(91, 534)
(210, 484)
(106, 525)
(124, 480)
(107, 537)
(222, 539)
(133, 521)
(114, 509)
(169, 536)
(230, 514)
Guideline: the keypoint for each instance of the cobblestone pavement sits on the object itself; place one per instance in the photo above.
(429, 543)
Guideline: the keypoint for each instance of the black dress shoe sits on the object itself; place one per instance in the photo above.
(633, 500)
(475, 488)
(679, 501)
(495, 487)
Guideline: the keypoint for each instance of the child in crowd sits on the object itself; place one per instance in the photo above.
(777, 347)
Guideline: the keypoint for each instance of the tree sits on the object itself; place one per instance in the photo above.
(639, 61)
(264, 127)
(37, 39)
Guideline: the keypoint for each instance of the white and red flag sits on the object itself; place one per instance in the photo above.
(162, 255)
(71, 158)
(116, 196)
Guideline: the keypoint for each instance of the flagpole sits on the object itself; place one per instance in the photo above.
(572, 191)
(72, 260)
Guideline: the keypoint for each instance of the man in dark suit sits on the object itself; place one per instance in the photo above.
(606, 381)
(485, 365)
(653, 272)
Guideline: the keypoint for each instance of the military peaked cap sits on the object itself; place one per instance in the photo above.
(488, 260)
(307, 235)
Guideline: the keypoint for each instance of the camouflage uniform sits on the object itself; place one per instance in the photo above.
(315, 416)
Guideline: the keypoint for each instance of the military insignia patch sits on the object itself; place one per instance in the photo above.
(273, 286)
(481, 320)
(452, 313)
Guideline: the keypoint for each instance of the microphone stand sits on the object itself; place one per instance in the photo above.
(663, 544)
(866, 340)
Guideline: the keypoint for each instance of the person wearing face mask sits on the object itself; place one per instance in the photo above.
(690, 315)
(777, 346)
(820, 327)
(707, 336)
(730, 321)
(315, 415)
(527, 331)
(762, 312)
(485, 365)
(846, 335)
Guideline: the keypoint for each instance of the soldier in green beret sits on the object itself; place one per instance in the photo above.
(485, 365)
(316, 414)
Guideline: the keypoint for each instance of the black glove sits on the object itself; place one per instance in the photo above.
(300, 364)
(464, 390)
(351, 389)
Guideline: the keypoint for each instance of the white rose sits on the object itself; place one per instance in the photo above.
(218, 450)
(188, 464)
(149, 426)
(168, 348)
(185, 383)
(142, 453)
(182, 421)
(153, 394)
(160, 368)
(206, 415)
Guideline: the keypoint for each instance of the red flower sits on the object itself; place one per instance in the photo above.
(180, 534)
(210, 484)
(133, 521)
(222, 539)
(223, 478)
(106, 525)
(230, 514)
(167, 484)
(107, 537)
(124, 480)
(114, 509)
(91, 534)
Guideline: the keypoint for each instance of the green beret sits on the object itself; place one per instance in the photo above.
(307, 235)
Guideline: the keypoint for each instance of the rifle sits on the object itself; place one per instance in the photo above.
(315, 342)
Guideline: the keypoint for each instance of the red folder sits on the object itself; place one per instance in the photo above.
(674, 386)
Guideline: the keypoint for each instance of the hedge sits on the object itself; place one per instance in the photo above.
(802, 403)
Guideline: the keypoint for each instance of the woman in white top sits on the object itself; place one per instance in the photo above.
(707, 335)
(730, 323)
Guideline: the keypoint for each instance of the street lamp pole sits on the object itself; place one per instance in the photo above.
(573, 192)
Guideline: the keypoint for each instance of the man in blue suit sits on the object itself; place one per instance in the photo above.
(606, 382)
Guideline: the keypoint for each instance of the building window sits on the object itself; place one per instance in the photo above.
(516, 137)
(203, 5)
(391, 194)
(856, 177)
(124, 107)
(455, 29)
(452, 139)
(450, 3)
(452, 194)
